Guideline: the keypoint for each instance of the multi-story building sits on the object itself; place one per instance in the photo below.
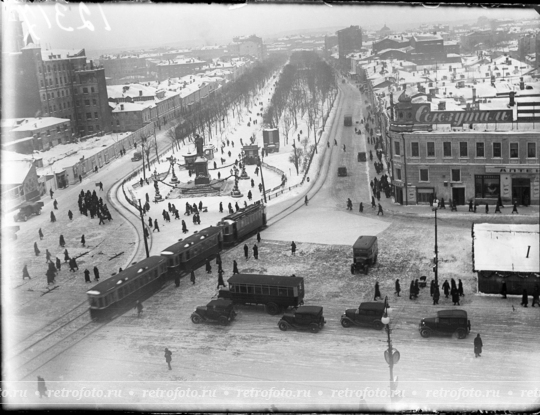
(26, 135)
(247, 46)
(120, 68)
(19, 182)
(178, 68)
(349, 40)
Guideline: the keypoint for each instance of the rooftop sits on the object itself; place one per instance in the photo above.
(31, 124)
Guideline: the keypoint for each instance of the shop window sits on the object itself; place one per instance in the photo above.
(424, 175)
(463, 150)
(398, 174)
(496, 150)
(487, 186)
(456, 175)
(480, 150)
(396, 148)
(531, 150)
(447, 149)
(514, 150)
(415, 152)
(430, 149)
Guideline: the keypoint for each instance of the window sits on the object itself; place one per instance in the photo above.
(96, 115)
(92, 89)
(463, 150)
(396, 148)
(531, 150)
(85, 90)
(456, 175)
(41, 83)
(430, 149)
(447, 149)
(424, 175)
(487, 186)
(58, 128)
(415, 152)
(78, 102)
(514, 150)
(496, 150)
(87, 102)
(94, 102)
(90, 129)
(398, 174)
(48, 133)
(480, 150)
(88, 115)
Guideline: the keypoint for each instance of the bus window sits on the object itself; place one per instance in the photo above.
(232, 288)
(187, 255)
(265, 289)
(93, 302)
(295, 291)
(282, 291)
(290, 292)
(250, 289)
(258, 289)
(243, 289)
(273, 291)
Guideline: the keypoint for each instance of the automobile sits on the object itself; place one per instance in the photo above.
(308, 317)
(136, 156)
(365, 252)
(342, 171)
(447, 323)
(367, 315)
(220, 310)
(27, 209)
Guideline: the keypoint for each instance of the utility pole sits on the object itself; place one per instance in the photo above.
(262, 178)
(143, 228)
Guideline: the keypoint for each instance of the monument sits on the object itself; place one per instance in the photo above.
(200, 164)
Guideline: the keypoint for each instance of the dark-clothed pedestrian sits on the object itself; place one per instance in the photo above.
(455, 296)
(192, 277)
(139, 307)
(460, 289)
(66, 256)
(53, 218)
(524, 298)
(235, 267)
(536, 296)
(380, 210)
(156, 226)
(87, 276)
(349, 204)
(478, 346)
(184, 227)
(398, 287)
(41, 386)
(503, 289)
(96, 273)
(220, 283)
(436, 294)
(36, 249)
(62, 241)
(361, 207)
(497, 209)
(208, 266)
(40, 233)
(51, 193)
(446, 288)
(220, 207)
(246, 251)
(353, 269)
(377, 291)
(258, 237)
(432, 288)
(83, 241)
(168, 357)
(55, 204)
(470, 205)
(70, 215)
(293, 248)
(25, 273)
(515, 208)
(306, 200)
(58, 264)
(256, 251)
(47, 255)
(412, 292)
(487, 208)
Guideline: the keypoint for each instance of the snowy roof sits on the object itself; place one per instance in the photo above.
(30, 124)
(15, 171)
(506, 247)
(131, 90)
(133, 106)
(51, 54)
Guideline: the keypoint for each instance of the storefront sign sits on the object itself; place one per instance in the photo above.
(511, 169)
(424, 115)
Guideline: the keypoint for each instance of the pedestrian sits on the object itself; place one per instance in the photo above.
(249, 195)
(220, 207)
(40, 234)
(475, 206)
(87, 276)
(293, 248)
(192, 278)
(361, 207)
(344, 148)
(515, 208)
(150, 222)
(96, 273)
(478, 346)
(373, 205)
(80, 178)
(470, 205)
(83, 241)
(47, 255)
(446, 288)
(246, 251)
(252, 183)
(258, 237)
(139, 307)
(220, 283)
(412, 291)
(235, 268)
(380, 210)
(398, 287)
(416, 288)
(432, 288)
(41, 386)
(58, 264)
(55, 204)
(487, 208)
(255, 251)
(497, 209)
(455, 296)
(442, 206)
(25, 273)
(525, 298)
(168, 357)
(349, 204)
(536, 296)
(66, 256)
(236, 206)
(177, 280)
(70, 215)
(53, 218)
(460, 289)
(452, 285)
(208, 266)
(436, 294)
(50, 276)
(72, 265)
(503, 289)
(353, 268)
(156, 226)
(184, 227)
(377, 291)
(51, 193)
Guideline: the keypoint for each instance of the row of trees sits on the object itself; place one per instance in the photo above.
(306, 87)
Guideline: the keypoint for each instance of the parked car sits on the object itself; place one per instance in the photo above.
(218, 310)
(447, 322)
(368, 315)
(342, 171)
(28, 209)
(365, 252)
(136, 156)
(303, 318)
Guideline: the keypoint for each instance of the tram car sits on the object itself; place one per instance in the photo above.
(190, 253)
(120, 291)
(242, 223)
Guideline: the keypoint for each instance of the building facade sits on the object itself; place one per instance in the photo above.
(349, 40)
(26, 135)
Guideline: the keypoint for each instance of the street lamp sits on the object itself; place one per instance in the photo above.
(145, 231)
(172, 160)
(158, 197)
(259, 163)
(436, 266)
(391, 355)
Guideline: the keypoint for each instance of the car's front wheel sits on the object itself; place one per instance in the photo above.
(283, 326)
(461, 333)
(346, 323)
(378, 325)
(196, 319)
(425, 333)
(272, 309)
(314, 327)
(223, 320)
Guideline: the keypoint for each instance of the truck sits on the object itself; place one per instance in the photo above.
(347, 120)
(365, 252)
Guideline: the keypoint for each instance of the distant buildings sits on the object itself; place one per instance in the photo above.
(19, 181)
(349, 40)
(26, 135)
(178, 68)
(247, 46)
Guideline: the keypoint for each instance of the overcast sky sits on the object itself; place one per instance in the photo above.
(133, 26)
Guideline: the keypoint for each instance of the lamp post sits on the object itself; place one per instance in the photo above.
(436, 266)
(259, 163)
(172, 160)
(391, 355)
(158, 197)
(144, 230)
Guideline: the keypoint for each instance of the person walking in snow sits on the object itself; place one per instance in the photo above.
(87, 276)
(255, 251)
(446, 288)
(478, 346)
(53, 218)
(168, 357)
(208, 266)
(62, 241)
(96, 273)
(192, 277)
(70, 215)
(25, 273)
(258, 237)
(377, 291)
(398, 287)
(58, 264)
(156, 226)
(83, 241)
(55, 204)
(220, 283)
(246, 251)
(40, 233)
(293, 248)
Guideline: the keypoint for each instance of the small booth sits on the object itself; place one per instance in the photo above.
(189, 160)
(252, 154)
(271, 140)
